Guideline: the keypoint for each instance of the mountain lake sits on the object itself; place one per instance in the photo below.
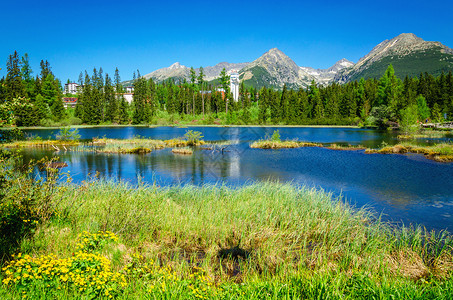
(399, 188)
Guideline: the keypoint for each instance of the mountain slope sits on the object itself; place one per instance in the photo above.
(273, 69)
(409, 55)
(175, 71)
(180, 72)
(325, 76)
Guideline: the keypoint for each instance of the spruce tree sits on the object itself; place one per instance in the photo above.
(110, 100)
(87, 100)
(27, 78)
(41, 107)
(201, 83)
(14, 87)
(193, 76)
(49, 91)
(123, 115)
(45, 69)
(141, 113)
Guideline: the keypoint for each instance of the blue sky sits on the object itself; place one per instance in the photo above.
(147, 35)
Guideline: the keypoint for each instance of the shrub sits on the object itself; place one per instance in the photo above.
(193, 137)
(48, 123)
(15, 134)
(24, 201)
(276, 136)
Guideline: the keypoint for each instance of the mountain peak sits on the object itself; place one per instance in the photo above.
(408, 36)
(176, 65)
(275, 52)
(344, 62)
(405, 51)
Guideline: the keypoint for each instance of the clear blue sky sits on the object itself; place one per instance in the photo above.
(147, 35)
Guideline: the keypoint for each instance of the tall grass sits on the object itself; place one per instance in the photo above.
(265, 240)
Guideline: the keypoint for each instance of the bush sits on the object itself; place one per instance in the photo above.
(24, 201)
(48, 123)
(193, 137)
(276, 136)
(15, 134)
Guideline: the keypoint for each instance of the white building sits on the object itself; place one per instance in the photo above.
(129, 89)
(234, 85)
(71, 88)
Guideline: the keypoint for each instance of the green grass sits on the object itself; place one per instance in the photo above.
(442, 152)
(275, 144)
(266, 240)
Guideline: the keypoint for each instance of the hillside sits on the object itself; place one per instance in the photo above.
(409, 55)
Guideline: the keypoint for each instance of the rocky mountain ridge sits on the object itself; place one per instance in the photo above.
(409, 54)
(395, 51)
(178, 71)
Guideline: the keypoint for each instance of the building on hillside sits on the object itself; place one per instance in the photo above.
(127, 96)
(222, 92)
(234, 85)
(129, 89)
(72, 88)
(69, 102)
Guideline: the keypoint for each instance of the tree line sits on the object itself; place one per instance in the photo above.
(26, 100)
(387, 101)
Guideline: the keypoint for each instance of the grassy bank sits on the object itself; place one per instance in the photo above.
(105, 145)
(270, 144)
(442, 152)
(265, 240)
(278, 144)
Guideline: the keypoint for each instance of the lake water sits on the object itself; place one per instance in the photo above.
(404, 188)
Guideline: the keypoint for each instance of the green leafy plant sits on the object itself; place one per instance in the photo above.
(66, 134)
(24, 200)
(276, 136)
(193, 137)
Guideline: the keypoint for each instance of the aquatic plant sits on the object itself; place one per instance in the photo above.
(193, 137)
(184, 151)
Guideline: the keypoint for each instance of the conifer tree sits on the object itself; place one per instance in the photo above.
(316, 100)
(141, 113)
(263, 105)
(27, 78)
(123, 115)
(48, 90)
(95, 103)
(201, 83)
(45, 69)
(41, 108)
(423, 109)
(110, 100)
(14, 87)
(87, 100)
(225, 83)
(57, 109)
(193, 76)
(245, 101)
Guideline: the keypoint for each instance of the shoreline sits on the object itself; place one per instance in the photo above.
(189, 125)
